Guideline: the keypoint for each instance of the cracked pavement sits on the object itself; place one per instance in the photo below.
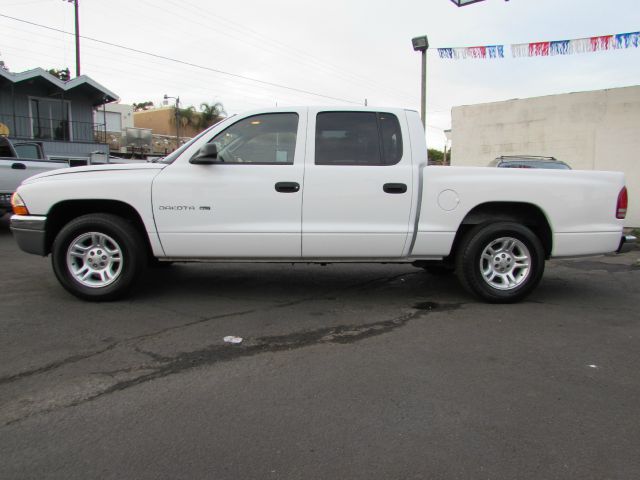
(345, 371)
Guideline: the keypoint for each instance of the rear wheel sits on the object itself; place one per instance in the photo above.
(98, 257)
(500, 262)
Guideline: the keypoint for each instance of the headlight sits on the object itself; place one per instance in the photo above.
(18, 206)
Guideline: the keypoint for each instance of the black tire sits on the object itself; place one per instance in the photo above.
(129, 263)
(469, 267)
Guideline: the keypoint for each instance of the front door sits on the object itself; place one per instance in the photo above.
(248, 204)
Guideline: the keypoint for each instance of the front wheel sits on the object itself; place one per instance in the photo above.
(98, 257)
(500, 262)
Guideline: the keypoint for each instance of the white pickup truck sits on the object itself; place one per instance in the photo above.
(316, 185)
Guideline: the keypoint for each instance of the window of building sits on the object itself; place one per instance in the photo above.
(50, 119)
(267, 139)
(357, 138)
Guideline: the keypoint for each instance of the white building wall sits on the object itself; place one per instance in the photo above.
(597, 130)
(125, 112)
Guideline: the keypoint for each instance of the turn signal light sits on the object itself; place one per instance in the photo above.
(623, 201)
(18, 206)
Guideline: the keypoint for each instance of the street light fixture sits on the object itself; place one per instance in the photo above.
(421, 44)
(177, 113)
(464, 3)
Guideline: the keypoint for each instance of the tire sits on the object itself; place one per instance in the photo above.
(500, 262)
(98, 257)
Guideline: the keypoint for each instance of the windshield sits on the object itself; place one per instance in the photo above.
(176, 153)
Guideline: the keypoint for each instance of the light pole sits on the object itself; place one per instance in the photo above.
(177, 113)
(421, 44)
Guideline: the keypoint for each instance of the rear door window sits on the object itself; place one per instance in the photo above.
(357, 138)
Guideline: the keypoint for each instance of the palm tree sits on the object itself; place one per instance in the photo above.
(188, 117)
(210, 114)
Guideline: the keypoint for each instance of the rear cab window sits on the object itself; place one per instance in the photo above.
(358, 138)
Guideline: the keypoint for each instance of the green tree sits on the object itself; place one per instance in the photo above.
(188, 117)
(435, 157)
(62, 74)
(210, 114)
(139, 107)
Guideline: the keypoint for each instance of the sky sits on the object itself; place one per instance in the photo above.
(327, 52)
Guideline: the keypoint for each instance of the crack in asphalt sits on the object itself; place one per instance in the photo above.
(76, 358)
(343, 334)
(57, 364)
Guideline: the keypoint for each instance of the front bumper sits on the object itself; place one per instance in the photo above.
(627, 242)
(29, 232)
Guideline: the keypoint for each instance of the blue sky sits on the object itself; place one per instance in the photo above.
(351, 50)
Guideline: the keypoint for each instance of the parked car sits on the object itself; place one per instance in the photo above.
(20, 161)
(315, 185)
(529, 161)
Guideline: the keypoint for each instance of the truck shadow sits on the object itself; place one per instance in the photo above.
(286, 282)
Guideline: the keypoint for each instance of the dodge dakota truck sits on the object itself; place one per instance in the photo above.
(316, 185)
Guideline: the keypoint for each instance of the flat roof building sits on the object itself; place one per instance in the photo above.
(595, 130)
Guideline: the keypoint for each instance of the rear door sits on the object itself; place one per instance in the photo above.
(358, 185)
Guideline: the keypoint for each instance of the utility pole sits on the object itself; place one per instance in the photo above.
(75, 8)
(177, 123)
(177, 114)
(421, 44)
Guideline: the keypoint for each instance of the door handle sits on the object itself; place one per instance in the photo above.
(18, 166)
(287, 187)
(394, 188)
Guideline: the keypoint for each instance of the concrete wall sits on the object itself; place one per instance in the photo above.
(597, 130)
(161, 121)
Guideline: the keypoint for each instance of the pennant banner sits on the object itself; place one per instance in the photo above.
(546, 49)
(580, 45)
(490, 51)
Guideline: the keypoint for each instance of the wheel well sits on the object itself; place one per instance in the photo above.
(63, 212)
(522, 213)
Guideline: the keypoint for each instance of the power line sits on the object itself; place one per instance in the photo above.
(161, 57)
(240, 94)
(239, 89)
(182, 62)
(283, 48)
(153, 79)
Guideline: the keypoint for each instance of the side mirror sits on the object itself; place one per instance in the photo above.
(207, 155)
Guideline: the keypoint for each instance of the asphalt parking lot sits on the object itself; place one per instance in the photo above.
(345, 372)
